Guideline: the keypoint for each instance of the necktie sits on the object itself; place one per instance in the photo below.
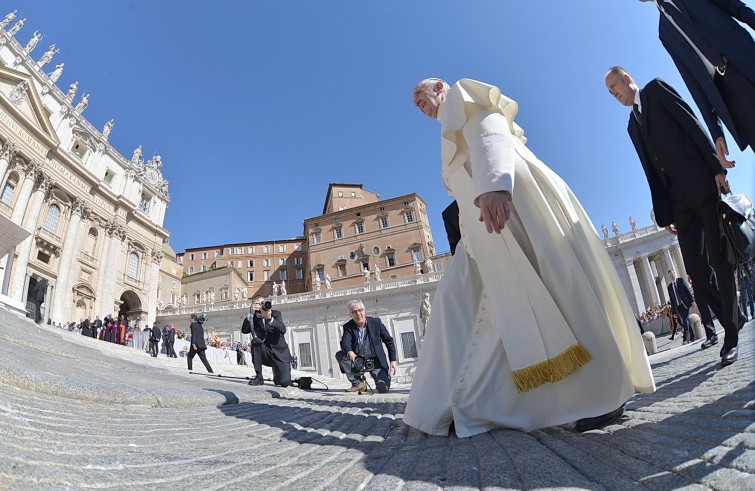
(711, 53)
(636, 111)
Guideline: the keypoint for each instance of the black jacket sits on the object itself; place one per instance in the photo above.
(270, 332)
(39, 291)
(378, 335)
(197, 335)
(156, 334)
(677, 155)
(683, 297)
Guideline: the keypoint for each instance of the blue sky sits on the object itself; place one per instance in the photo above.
(255, 106)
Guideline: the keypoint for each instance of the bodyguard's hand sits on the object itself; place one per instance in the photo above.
(722, 150)
(394, 369)
(494, 210)
(722, 183)
(267, 314)
(672, 229)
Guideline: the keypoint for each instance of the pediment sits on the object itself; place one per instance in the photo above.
(25, 106)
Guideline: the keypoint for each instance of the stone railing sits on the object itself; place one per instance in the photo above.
(631, 235)
(306, 296)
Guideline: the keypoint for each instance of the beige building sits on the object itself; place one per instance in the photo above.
(95, 217)
(169, 285)
(358, 232)
(217, 286)
(261, 264)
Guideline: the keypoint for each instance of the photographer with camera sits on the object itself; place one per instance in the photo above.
(198, 346)
(362, 343)
(269, 345)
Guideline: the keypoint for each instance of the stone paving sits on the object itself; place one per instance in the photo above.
(79, 413)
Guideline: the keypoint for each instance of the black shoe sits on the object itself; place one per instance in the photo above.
(729, 357)
(709, 342)
(671, 338)
(587, 424)
(258, 380)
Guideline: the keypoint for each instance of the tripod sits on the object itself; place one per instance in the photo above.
(364, 385)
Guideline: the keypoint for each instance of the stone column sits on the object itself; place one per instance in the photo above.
(676, 253)
(24, 249)
(117, 233)
(102, 264)
(31, 169)
(61, 305)
(649, 281)
(635, 293)
(154, 280)
(7, 154)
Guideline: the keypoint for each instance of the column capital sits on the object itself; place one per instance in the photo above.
(31, 168)
(44, 183)
(157, 256)
(8, 150)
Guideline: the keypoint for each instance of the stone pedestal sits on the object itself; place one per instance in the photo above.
(697, 326)
(649, 339)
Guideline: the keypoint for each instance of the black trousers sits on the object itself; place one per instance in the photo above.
(738, 94)
(38, 312)
(153, 347)
(687, 333)
(262, 354)
(701, 243)
(379, 374)
(202, 357)
(344, 363)
(169, 350)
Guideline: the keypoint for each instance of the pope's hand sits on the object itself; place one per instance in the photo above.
(495, 210)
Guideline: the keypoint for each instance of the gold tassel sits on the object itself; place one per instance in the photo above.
(557, 368)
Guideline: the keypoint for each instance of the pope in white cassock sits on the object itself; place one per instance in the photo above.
(540, 331)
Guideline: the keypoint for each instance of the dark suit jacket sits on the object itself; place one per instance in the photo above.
(170, 336)
(714, 22)
(272, 333)
(157, 334)
(39, 291)
(451, 223)
(677, 155)
(683, 297)
(378, 335)
(197, 335)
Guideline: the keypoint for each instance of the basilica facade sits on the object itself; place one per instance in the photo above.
(95, 217)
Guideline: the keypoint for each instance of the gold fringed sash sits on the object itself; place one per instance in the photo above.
(552, 370)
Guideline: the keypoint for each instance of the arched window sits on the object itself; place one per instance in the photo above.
(9, 188)
(51, 220)
(133, 265)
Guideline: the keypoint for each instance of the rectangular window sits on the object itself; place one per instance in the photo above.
(305, 355)
(316, 237)
(297, 247)
(267, 275)
(196, 298)
(238, 264)
(174, 284)
(409, 216)
(191, 256)
(250, 276)
(391, 259)
(251, 263)
(7, 195)
(282, 248)
(266, 262)
(108, 177)
(360, 227)
(383, 222)
(409, 344)
(338, 232)
(298, 261)
(299, 274)
(204, 255)
(283, 274)
(204, 268)
(230, 264)
(224, 295)
(439, 267)
(145, 202)
(250, 250)
(319, 274)
(191, 269)
(341, 269)
(282, 262)
(416, 254)
(266, 249)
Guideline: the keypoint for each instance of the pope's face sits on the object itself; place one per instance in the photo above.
(621, 87)
(428, 98)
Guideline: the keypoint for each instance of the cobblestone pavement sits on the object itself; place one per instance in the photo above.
(78, 413)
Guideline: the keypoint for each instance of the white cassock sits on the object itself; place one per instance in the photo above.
(532, 327)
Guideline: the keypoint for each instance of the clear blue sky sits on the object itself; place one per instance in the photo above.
(255, 106)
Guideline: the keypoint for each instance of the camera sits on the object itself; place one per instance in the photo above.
(201, 318)
(266, 305)
(361, 365)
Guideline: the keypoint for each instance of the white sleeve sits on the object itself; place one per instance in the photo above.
(491, 150)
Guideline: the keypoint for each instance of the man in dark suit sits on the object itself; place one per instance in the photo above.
(681, 302)
(198, 346)
(39, 298)
(269, 345)
(714, 55)
(364, 336)
(154, 340)
(685, 179)
(97, 326)
(169, 339)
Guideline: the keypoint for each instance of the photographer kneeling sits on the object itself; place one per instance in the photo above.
(269, 346)
(364, 337)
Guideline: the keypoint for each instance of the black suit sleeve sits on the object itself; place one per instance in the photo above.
(683, 115)
(386, 337)
(347, 340)
(661, 202)
(276, 323)
(736, 9)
